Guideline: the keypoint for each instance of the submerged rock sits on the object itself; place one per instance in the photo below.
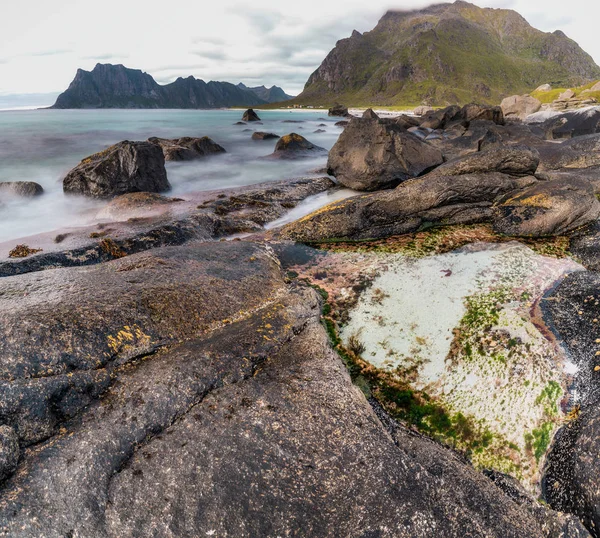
(378, 154)
(119, 169)
(259, 135)
(24, 189)
(339, 110)
(186, 148)
(250, 115)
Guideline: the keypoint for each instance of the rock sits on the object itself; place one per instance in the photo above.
(566, 95)
(547, 208)
(516, 160)
(250, 115)
(370, 114)
(379, 154)
(520, 106)
(119, 169)
(259, 135)
(572, 124)
(24, 189)
(473, 112)
(135, 204)
(339, 110)
(187, 148)
(240, 123)
(9, 452)
(407, 122)
(292, 146)
(182, 440)
(439, 119)
(422, 110)
(580, 152)
(319, 131)
(543, 88)
(416, 203)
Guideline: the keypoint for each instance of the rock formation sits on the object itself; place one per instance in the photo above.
(186, 148)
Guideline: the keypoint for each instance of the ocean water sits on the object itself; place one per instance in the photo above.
(43, 145)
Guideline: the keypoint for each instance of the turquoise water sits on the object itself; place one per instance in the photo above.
(43, 145)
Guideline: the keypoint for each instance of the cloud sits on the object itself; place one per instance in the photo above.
(105, 56)
(56, 52)
(217, 55)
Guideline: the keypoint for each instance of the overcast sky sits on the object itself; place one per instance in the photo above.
(42, 42)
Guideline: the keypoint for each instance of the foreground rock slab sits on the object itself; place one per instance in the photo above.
(119, 169)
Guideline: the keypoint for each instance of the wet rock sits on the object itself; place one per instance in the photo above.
(370, 114)
(518, 161)
(135, 204)
(240, 123)
(9, 452)
(319, 131)
(250, 115)
(342, 123)
(23, 189)
(339, 110)
(414, 204)
(119, 169)
(580, 152)
(378, 154)
(520, 106)
(547, 208)
(187, 148)
(259, 135)
(293, 146)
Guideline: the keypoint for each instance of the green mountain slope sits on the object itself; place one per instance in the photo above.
(446, 54)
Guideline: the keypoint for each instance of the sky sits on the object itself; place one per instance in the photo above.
(42, 43)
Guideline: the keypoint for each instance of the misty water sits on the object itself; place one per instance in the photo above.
(43, 145)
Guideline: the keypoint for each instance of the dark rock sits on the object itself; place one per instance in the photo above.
(186, 148)
(24, 189)
(580, 152)
(9, 452)
(259, 135)
(547, 208)
(342, 123)
(292, 121)
(135, 204)
(119, 169)
(339, 110)
(240, 123)
(292, 146)
(319, 131)
(416, 203)
(370, 114)
(439, 119)
(474, 112)
(407, 121)
(516, 160)
(378, 154)
(572, 124)
(250, 115)
(591, 174)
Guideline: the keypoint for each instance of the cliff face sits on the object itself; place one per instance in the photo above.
(447, 53)
(116, 86)
(274, 94)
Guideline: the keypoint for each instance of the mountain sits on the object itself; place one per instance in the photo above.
(116, 86)
(446, 54)
(274, 94)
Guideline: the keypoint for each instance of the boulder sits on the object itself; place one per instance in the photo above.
(591, 174)
(136, 204)
(415, 204)
(520, 106)
(119, 169)
(515, 160)
(370, 114)
(547, 208)
(319, 131)
(407, 122)
(422, 110)
(572, 124)
(544, 88)
(250, 115)
(566, 95)
(473, 112)
(186, 148)
(580, 152)
(439, 119)
(342, 123)
(378, 154)
(293, 146)
(9, 451)
(259, 135)
(339, 110)
(21, 189)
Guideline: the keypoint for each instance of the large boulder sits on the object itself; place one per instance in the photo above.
(520, 106)
(20, 189)
(591, 174)
(513, 160)
(572, 124)
(119, 169)
(293, 146)
(547, 208)
(473, 112)
(187, 148)
(415, 204)
(439, 119)
(250, 115)
(378, 154)
(339, 110)
(580, 152)
(370, 114)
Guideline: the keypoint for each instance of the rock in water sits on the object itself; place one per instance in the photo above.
(293, 145)
(119, 169)
(370, 114)
(25, 189)
(259, 135)
(250, 115)
(379, 154)
(520, 106)
(9, 451)
(547, 208)
(187, 148)
(339, 110)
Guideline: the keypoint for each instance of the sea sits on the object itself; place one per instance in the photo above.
(43, 145)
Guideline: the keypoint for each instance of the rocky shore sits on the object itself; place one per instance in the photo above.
(394, 364)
